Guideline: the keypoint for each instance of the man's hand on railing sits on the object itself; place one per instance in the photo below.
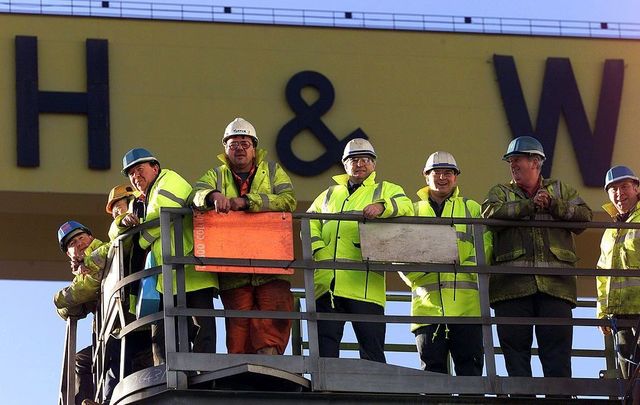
(219, 202)
(130, 220)
(542, 200)
(372, 211)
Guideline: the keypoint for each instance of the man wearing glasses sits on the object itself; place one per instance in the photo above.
(247, 182)
(352, 291)
(447, 294)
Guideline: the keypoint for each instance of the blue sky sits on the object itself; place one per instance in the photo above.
(32, 335)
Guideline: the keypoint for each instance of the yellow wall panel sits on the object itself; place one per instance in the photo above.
(174, 86)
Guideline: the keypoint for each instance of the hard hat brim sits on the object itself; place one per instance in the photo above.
(226, 138)
(627, 177)
(71, 235)
(358, 153)
(125, 170)
(506, 156)
(441, 166)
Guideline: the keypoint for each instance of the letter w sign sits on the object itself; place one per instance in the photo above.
(560, 95)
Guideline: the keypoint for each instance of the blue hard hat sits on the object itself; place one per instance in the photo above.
(68, 230)
(617, 173)
(524, 145)
(135, 156)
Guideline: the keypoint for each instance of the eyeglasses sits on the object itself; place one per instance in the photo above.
(355, 161)
(443, 172)
(239, 144)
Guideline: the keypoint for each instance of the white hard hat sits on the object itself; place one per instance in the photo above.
(358, 146)
(441, 160)
(240, 127)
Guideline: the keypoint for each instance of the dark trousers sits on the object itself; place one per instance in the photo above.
(464, 342)
(138, 356)
(554, 342)
(84, 372)
(84, 375)
(370, 335)
(202, 329)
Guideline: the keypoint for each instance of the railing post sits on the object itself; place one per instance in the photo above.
(485, 311)
(68, 377)
(175, 379)
(181, 296)
(310, 304)
(296, 330)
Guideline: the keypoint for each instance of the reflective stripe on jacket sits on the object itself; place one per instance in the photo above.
(536, 247)
(271, 190)
(448, 294)
(340, 240)
(619, 249)
(171, 190)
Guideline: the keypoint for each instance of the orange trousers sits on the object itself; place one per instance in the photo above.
(248, 335)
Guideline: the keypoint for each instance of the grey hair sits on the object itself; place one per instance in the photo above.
(539, 159)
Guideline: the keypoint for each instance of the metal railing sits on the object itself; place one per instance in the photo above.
(325, 18)
(183, 368)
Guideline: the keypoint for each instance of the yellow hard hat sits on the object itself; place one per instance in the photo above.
(118, 193)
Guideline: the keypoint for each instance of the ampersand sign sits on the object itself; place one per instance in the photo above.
(309, 117)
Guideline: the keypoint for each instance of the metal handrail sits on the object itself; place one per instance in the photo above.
(310, 363)
(66, 395)
(326, 18)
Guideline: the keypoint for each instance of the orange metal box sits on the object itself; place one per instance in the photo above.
(242, 235)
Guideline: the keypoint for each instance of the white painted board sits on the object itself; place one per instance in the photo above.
(408, 243)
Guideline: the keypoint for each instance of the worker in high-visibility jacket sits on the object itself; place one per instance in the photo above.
(79, 244)
(448, 294)
(352, 291)
(247, 182)
(619, 297)
(528, 196)
(118, 205)
(87, 256)
(165, 188)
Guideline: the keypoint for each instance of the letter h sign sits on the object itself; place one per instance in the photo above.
(31, 101)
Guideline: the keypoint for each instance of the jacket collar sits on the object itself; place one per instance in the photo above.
(613, 212)
(153, 184)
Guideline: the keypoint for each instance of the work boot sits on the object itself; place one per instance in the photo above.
(90, 402)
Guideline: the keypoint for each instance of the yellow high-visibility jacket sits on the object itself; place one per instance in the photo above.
(340, 240)
(619, 249)
(271, 190)
(448, 294)
(171, 190)
(78, 299)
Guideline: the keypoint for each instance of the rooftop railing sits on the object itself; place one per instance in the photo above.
(325, 18)
(184, 370)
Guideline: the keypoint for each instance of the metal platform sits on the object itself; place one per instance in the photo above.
(304, 376)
